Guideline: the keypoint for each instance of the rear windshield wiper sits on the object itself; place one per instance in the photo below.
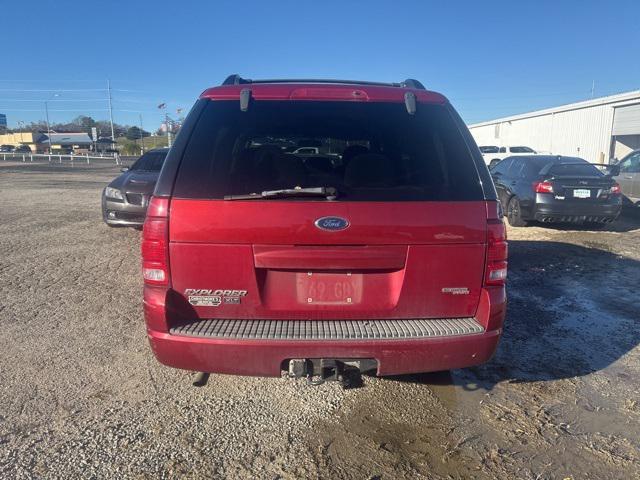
(329, 193)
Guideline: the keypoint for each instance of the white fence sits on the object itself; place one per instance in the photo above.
(54, 158)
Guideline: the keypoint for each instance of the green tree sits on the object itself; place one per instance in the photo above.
(84, 121)
(135, 133)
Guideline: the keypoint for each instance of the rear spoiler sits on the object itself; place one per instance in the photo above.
(613, 170)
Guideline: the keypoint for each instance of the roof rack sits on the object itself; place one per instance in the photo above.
(408, 83)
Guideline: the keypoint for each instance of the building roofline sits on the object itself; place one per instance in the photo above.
(618, 97)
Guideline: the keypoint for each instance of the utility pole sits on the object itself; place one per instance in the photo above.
(46, 111)
(593, 87)
(166, 122)
(141, 134)
(21, 128)
(113, 135)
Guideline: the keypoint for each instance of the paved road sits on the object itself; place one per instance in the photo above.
(81, 395)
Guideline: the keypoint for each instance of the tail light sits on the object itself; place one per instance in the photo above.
(155, 243)
(615, 189)
(497, 250)
(543, 187)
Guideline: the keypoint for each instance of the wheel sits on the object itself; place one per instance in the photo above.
(514, 213)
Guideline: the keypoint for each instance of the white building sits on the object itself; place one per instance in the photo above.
(595, 130)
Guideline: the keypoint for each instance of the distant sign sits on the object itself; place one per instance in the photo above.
(3, 120)
(94, 134)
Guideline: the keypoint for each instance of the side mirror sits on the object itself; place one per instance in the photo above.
(614, 170)
(124, 169)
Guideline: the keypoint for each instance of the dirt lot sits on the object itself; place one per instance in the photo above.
(81, 395)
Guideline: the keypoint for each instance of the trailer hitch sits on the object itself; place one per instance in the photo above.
(320, 370)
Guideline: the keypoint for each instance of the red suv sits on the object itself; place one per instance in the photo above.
(323, 227)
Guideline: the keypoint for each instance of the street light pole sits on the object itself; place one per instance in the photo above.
(21, 128)
(141, 134)
(46, 109)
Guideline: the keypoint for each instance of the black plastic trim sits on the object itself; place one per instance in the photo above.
(236, 79)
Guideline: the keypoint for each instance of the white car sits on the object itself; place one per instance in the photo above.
(493, 154)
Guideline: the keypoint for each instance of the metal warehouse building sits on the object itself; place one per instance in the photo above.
(595, 130)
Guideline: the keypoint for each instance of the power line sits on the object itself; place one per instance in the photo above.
(62, 100)
(53, 90)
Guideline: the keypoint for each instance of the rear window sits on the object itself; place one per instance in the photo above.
(521, 150)
(583, 169)
(151, 162)
(489, 149)
(367, 151)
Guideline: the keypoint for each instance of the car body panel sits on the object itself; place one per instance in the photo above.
(396, 260)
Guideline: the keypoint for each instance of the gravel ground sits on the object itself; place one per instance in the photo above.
(82, 396)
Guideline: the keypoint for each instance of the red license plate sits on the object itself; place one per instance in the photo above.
(329, 288)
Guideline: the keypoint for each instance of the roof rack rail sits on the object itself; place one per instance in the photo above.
(236, 79)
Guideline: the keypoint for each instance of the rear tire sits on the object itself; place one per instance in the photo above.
(514, 213)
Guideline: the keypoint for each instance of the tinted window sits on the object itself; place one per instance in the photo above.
(583, 169)
(503, 150)
(631, 164)
(531, 168)
(502, 167)
(151, 161)
(368, 151)
(521, 150)
(489, 149)
(516, 168)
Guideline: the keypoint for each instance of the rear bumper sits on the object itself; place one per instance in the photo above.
(548, 209)
(242, 356)
(265, 358)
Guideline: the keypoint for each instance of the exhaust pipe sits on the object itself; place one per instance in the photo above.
(201, 379)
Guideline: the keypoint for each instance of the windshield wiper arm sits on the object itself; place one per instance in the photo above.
(328, 192)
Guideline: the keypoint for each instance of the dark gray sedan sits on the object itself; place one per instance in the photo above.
(125, 199)
(556, 189)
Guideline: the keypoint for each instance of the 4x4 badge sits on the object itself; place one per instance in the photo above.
(332, 223)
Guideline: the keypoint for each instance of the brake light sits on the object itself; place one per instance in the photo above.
(497, 249)
(543, 187)
(615, 189)
(155, 242)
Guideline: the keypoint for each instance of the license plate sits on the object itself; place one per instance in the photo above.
(329, 288)
(582, 193)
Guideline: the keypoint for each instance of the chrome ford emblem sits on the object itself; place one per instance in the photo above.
(332, 223)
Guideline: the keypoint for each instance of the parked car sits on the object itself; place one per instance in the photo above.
(493, 154)
(556, 189)
(22, 149)
(392, 261)
(126, 198)
(629, 178)
(7, 148)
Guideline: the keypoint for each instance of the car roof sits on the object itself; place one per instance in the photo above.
(549, 158)
(321, 89)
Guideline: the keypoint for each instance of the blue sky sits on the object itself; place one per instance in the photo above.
(489, 58)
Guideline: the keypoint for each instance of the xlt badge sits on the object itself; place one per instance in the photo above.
(205, 297)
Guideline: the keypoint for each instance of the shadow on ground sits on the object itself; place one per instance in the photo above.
(572, 311)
